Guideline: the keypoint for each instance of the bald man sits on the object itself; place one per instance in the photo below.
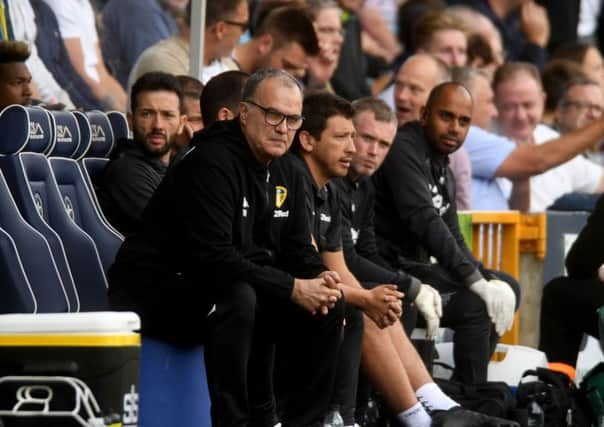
(416, 220)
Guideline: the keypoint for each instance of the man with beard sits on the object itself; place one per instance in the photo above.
(138, 166)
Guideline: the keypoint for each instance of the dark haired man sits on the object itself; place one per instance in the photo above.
(221, 96)
(416, 220)
(226, 21)
(138, 165)
(15, 78)
(284, 39)
(325, 148)
(224, 258)
(191, 92)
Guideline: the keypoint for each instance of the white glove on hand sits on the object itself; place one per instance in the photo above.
(507, 298)
(429, 304)
(500, 301)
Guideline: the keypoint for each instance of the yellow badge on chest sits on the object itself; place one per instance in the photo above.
(280, 196)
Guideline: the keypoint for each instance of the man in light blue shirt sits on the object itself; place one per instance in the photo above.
(494, 156)
(487, 152)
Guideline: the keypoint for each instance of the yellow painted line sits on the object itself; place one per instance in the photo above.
(70, 340)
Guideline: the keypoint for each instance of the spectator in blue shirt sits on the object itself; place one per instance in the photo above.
(130, 27)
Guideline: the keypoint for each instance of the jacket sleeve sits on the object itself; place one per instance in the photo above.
(210, 212)
(413, 203)
(586, 255)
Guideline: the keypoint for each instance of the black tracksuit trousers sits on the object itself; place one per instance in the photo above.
(465, 312)
(568, 310)
(242, 334)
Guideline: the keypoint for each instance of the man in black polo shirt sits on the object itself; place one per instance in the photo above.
(138, 165)
(324, 149)
(225, 246)
(416, 223)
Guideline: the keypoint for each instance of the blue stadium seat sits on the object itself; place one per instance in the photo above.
(17, 296)
(67, 134)
(119, 124)
(30, 178)
(102, 139)
(22, 128)
(41, 134)
(85, 135)
(38, 188)
(42, 280)
(80, 205)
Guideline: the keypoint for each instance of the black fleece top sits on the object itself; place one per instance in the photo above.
(415, 212)
(357, 202)
(218, 218)
(126, 185)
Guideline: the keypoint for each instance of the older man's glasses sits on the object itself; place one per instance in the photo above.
(275, 118)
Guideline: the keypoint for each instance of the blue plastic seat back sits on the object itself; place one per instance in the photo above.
(85, 135)
(102, 139)
(17, 296)
(36, 259)
(119, 124)
(31, 127)
(81, 252)
(80, 206)
(41, 131)
(14, 129)
(67, 134)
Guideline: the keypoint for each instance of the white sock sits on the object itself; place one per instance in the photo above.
(433, 398)
(415, 416)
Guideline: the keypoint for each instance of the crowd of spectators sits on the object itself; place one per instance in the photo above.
(293, 266)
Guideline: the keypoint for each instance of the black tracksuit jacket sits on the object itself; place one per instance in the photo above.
(218, 218)
(415, 212)
(357, 202)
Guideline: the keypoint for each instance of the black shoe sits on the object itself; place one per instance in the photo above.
(459, 417)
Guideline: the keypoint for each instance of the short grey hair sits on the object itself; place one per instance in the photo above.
(381, 111)
(251, 86)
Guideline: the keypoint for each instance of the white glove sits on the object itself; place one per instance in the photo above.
(429, 304)
(601, 273)
(500, 301)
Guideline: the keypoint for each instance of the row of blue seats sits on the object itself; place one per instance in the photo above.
(55, 244)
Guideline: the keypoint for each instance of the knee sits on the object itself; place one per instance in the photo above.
(467, 308)
(238, 304)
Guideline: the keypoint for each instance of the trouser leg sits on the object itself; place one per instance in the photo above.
(349, 361)
(307, 351)
(568, 310)
(227, 351)
(466, 314)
